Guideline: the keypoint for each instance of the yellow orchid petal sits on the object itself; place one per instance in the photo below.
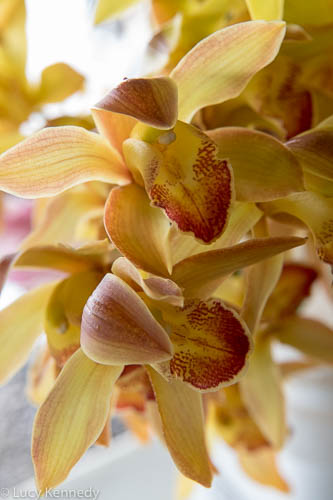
(181, 412)
(154, 287)
(106, 9)
(250, 153)
(149, 100)
(77, 407)
(319, 185)
(21, 323)
(314, 150)
(115, 127)
(64, 311)
(58, 82)
(262, 393)
(201, 274)
(219, 67)
(211, 344)
(269, 10)
(315, 211)
(117, 327)
(292, 288)
(311, 337)
(56, 159)
(242, 218)
(184, 176)
(60, 217)
(261, 466)
(131, 221)
(42, 374)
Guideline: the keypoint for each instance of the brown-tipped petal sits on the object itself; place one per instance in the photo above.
(116, 128)
(20, 324)
(264, 169)
(149, 100)
(184, 176)
(211, 344)
(311, 337)
(201, 274)
(131, 222)
(219, 67)
(262, 393)
(57, 158)
(181, 412)
(118, 328)
(71, 418)
(154, 287)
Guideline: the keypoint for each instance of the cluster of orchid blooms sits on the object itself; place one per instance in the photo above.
(170, 226)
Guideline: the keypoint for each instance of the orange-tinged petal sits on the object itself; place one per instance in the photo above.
(181, 412)
(311, 337)
(71, 418)
(115, 127)
(261, 466)
(314, 150)
(58, 82)
(149, 100)
(211, 344)
(106, 9)
(153, 286)
(219, 67)
(21, 323)
(201, 274)
(57, 158)
(271, 10)
(262, 393)
(242, 218)
(42, 374)
(250, 153)
(64, 311)
(185, 177)
(131, 222)
(118, 328)
(292, 288)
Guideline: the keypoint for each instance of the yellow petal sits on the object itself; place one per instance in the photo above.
(311, 337)
(201, 274)
(21, 323)
(42, 374)
(250, 153)
(56, 159)
(131, 221)
(71, 418)
(181, 412)
(154, 287)
(64, 311)
(261, 466)
(115, 127)
(118, 328)
(184, 176)
(58, 82)
(211, 344)
(219, 67)
(262, 393)
(269, 10)
(108, 8)
(149, 100)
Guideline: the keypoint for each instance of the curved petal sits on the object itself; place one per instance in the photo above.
(154, 287)
(181, 412)
(149, 100)
(261, 466)
(118, 328)
(219, 67)
(21, 323)
(185, 177)
(131, 222)
(264, 169)
(211, 344)
(58, 81)
(71, 418)
(57, 158)
(201, 274)
(115, 127)
(261, 9)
